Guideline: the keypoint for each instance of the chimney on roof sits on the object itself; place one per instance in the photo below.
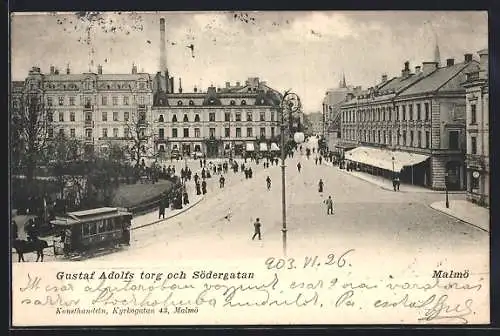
(428, 67)
(468, 58)
(450, 61)
(99, 69)
(238, 84)
(180, 85)
(134, 69)
(218, 89)
(384, 78)
(56, 72)
(228, 85)
(67, 70)
(52, 69)
(195, 89)
(406, 71)
(418, 69)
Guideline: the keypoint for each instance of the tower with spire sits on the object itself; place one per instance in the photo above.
(342, 84)
(437, 55)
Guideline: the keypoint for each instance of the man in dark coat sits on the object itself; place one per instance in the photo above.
(257, 225)
(204, 187)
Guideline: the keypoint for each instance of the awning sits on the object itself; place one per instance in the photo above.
(250, 147)
(383, 158)
(263, 147)
(274, 147)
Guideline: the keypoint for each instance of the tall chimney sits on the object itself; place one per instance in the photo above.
(163, 55)
(52, 69)
(195, 89)
(67, 69)
(134, 69)
(406, 71)
(467, 58)
(450, 62)
(99, 69)
(167, 81)
(180, 85)
(171, 84)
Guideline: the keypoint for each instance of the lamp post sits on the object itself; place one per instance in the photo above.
(446, 189)
(289, 103)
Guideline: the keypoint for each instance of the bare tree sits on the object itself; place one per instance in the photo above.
(139, 134)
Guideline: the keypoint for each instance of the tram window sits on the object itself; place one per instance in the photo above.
(92, 228)
(109, 225)
(85, 229)
(101, 226)
(118, 224)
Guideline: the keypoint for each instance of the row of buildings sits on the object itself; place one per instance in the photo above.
(429, 125)
(101, 109)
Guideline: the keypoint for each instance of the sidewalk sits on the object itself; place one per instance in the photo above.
(386, 184)
(466, 211)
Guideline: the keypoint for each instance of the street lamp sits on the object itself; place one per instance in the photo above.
(446, 189)
(290, 103)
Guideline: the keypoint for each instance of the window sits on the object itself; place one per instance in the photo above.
(238, 132)
(185, 119)
(385, 138)
(125, 100)
(427, 139)
(403, 112)
(249, 116)
(389, 112)
(61, 116)
(72, 116)
(101, 227)
(197, 118)
(161, 133)
(243, 102)
(410, 111)
(126, 116)
(141, 100)
(179, 102)
(211, 132)
(191, 103)
(104, 116)
(404, 138)
(72, 132)
(126, 132)
(473, 145)
(142, 134)
(272, 115)
(61, 101)
(411, 138)
(142, 116)
(238, 116)
(249, 132)
(88, 133)
(50, 132)
(378, 136)
(474, 183)
(115, 116)
(263, 132)
(419, 112)
(197, 132)
(419, 138)
(232, 102)
(427, 112)
(473, 115)
(211, 116)
(378, 115)
(186, 132)
(104, 100)
(227, 133)
(104, 132)
(115, 132)
(174, 118)
(374, 135)
(262, 116)
(227, 116)
(272, 132)
(383, 113)
(174, 132)
(61, 132)
(142, 86)
(115, 100)
(390, 137)
(160, 118)
(72, 101)
(49, 101)
(397, 113)
(50, 117)
(453, 139)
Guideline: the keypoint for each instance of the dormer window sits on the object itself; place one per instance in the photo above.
(185, 118)
(232, 102)
(179, 103)
(243, 102)
(197, 118)
(191, 103)
(174, 118)
(160, 119)
(249, 89)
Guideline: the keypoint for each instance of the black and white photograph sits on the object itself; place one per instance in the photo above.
(261, 167)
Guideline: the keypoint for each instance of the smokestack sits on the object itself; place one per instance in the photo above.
(180, 85)
(158, 82)
(163, 55)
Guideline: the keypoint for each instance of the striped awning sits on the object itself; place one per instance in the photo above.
(274, 147)
(385, 159)
(250, 147)
(263, 147)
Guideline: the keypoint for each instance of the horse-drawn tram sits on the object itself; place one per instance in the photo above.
(88, 231)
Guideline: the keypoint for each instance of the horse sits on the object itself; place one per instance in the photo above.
(25, 246)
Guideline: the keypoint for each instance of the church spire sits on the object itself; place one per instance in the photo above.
(437, 55)
(343, 84)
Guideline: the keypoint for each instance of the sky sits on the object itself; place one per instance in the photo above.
(304, 51)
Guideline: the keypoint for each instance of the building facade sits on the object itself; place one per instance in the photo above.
(417, 118)
(477, 130)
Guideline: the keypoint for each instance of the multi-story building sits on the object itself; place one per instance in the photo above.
(317, 123)
(96, 108)
(413, 124)
(477, 129)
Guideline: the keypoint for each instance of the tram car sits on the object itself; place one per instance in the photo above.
(87, 230)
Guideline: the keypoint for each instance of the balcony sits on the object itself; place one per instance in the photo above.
(88, 107)
(141, 106)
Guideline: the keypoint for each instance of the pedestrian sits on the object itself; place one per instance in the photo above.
(268, 180)
(250, 172)
(198, 190)
(320, 185)
(316, 160)
(161, 209)
(196, 178)
(299, 166)
(221, 181)
(257, 225)
(201, 163)
(329, 205)
(396, 180)
(185, 197)
(204, 162)
(204, 187)
(320, 159)
(203, 173)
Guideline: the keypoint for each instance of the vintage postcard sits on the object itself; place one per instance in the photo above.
(205, 168)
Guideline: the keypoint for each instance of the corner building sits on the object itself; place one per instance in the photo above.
(412, 125)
